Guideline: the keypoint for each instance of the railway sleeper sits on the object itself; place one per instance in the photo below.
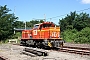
(83, 52)
(36, 52)
(86, 53)
(72, 50)
(76, 51)
(64, 49)
(30, 54)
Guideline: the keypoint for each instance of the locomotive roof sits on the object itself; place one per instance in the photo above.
(45, 23)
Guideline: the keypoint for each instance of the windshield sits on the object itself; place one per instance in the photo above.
(36, 26)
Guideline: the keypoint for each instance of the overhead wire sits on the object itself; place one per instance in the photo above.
(66, 14)
(61, 15)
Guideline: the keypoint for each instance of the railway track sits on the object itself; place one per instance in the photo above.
(76, 50)
(69, 49)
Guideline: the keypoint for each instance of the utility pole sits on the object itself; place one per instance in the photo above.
(14, 13)
(50, 19)
(25, 25)
(45, 17)
(14, 9)
(14, 30)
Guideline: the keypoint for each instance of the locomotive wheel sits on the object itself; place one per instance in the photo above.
(23, 43)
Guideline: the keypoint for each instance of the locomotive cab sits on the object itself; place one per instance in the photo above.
(46, 25)
(43, 25)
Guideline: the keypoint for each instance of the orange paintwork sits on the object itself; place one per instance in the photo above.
(26, 34)
(44, 33)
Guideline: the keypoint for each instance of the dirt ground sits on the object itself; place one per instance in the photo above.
(13, 52)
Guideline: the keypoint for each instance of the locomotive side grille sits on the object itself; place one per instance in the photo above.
(54, 33)
(25, 34)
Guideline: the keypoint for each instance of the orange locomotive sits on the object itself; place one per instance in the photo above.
(43, 35)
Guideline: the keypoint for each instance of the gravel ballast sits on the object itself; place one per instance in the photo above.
(14, 52)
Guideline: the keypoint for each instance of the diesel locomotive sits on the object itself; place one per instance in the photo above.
(43, 35)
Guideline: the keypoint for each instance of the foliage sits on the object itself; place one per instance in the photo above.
(69, 35)
(6, 22)
(33, 22)
(16, 35)
(75, 21)
(68, 21)
(81, 21)
(75, 36)
(76, 27)
(19, 24)
(83, 36)
(29, 24)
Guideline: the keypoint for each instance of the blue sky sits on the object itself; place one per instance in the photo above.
(35, 9)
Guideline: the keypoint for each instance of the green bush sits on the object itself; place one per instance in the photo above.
(69, 35)
(75, 36)
(15, 36)
(83, 36)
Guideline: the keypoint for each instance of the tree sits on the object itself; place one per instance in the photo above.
(76, 27)
(81, 21)
(75, 21)
(6, 22)
(31, 23)
(19, 24)
(67, 22)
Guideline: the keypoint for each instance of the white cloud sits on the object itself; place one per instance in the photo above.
(86, 1)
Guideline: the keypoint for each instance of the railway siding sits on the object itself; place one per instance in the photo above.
(76, 50)
(13, 52)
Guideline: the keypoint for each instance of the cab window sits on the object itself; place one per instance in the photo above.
(45, 26)
(36, 26)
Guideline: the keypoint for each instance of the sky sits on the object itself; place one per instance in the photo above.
(28, 10)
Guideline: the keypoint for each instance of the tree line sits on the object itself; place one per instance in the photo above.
(74, 27)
